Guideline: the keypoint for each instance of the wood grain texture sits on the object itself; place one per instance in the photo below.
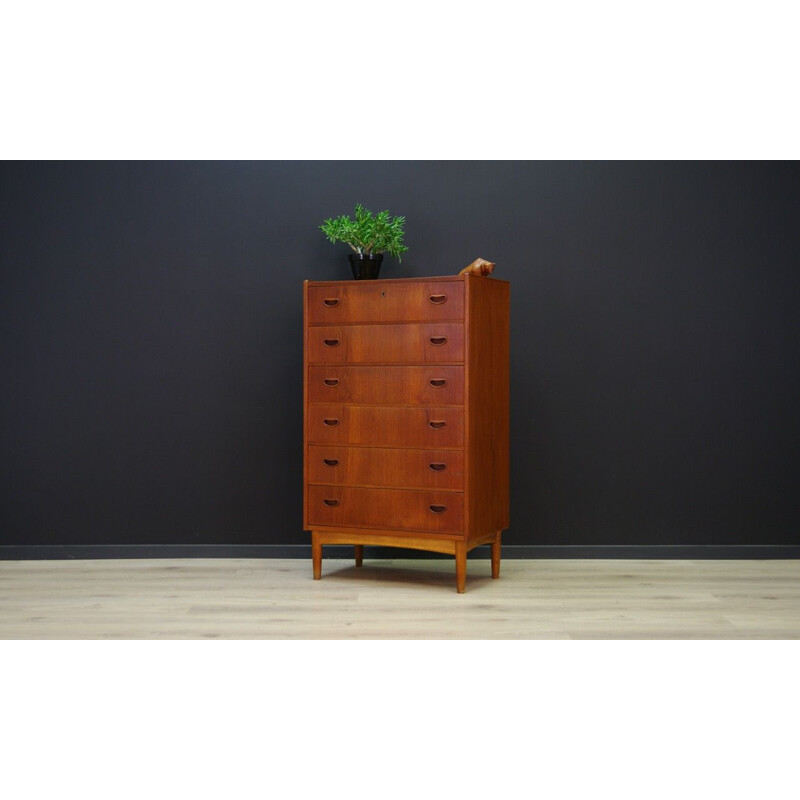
(411, 541)
(353, 506)
(386, 467)
(399, 599)
(305, 403)
(487, 409)
(385, 301)
(386, 536)
(386, 344)
(424, 427)
(440, 385)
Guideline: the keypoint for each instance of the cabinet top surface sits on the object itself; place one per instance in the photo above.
(447, 278)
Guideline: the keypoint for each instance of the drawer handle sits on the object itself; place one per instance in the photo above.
(438, 467)
(331, 381)
(331, 503)
(330, 342)
(437, 424)
(331, 302)
(438, 382)
(331, 462)
(438, 340)
(435, 508)
(331, 422)
(438, 299)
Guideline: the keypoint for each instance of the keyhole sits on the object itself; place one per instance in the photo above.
(383, 294)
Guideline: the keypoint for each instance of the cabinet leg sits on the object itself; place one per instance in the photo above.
(496, 556)
(316, 555)
(461, 566)
(359, 554)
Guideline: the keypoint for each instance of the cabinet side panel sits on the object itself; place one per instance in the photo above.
(305, 405)
(488, 416)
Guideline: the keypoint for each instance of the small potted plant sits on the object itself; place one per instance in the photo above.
(370, 236)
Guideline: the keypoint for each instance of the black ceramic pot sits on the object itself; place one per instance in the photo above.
(365, 265)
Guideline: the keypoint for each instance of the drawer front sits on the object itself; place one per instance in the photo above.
(372, 301)
(386, 344)
(389, 385)
(348, 506)
(386, 467)
(425, 427)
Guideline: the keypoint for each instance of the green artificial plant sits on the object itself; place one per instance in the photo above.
(368, 233)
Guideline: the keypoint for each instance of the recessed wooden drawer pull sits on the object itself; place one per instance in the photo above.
(331, 503)
(437, 424)
(438, 299)
(331, 302)
(437, 467)
(438, 382)
(330, 342)
(331, 462)
(436, 509)
(438, 340)
(331, 381)
(331, 422)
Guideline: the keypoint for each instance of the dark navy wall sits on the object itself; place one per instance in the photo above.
(150, 342)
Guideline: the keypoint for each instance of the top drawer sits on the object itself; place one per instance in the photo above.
(385, 301)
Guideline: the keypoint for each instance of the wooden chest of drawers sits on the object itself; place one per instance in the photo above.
(406, 426)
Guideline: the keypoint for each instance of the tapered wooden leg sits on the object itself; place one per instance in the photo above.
(316, 554)
(461, 566)
(496, 556)
(359, 554)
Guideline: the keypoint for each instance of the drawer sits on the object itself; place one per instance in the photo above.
(391, 385)
(375, 301)
(386, 344)
(388, 467)
(349, 506)
(424, 427)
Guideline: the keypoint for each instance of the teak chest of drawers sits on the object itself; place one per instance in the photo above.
(406, 427)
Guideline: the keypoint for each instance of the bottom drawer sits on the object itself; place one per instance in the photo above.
(352, 507)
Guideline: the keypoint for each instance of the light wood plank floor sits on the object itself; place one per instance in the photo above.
(399, 599)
